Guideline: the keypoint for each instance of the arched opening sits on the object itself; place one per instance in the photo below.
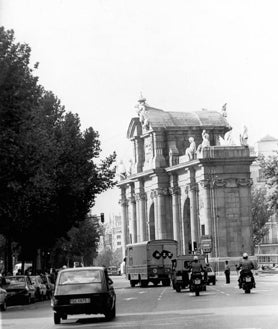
(187, 226)
(151, 223)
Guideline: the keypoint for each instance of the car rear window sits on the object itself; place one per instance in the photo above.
(15, 279)
(76, 277)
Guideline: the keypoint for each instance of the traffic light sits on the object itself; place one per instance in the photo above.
(195, 245)
(102, 217)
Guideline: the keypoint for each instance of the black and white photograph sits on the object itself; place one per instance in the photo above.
(138, 164)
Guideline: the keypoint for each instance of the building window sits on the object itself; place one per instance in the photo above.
(118, 243)
(203, 229)
(118, 236)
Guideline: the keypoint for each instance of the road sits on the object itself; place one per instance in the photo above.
(222, 306)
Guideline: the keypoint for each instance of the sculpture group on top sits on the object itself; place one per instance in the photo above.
(151, 152)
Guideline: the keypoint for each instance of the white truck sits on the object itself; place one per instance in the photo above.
(150, 261)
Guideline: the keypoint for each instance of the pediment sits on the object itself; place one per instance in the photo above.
(134, 128)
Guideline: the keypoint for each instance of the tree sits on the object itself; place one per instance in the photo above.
(50, 171)
(269, 166)
(260, 213)
(79, 244)
(105, 257)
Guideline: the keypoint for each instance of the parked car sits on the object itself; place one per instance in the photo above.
(3, 299)
(40, 287)
(83, 290)
(211, 277)
(19, 289)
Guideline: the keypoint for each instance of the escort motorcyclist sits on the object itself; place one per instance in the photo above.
(246, 266)
(196, 268)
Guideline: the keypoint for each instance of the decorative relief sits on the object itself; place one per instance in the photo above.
(186, 190)
(228, 182)
(244, 182)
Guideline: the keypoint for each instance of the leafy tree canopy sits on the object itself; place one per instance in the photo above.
(50, 171)
(269, 166)
(260, 213)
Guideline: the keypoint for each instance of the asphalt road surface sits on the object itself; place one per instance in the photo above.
(222, 306)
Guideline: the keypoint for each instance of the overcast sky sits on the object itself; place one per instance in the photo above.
(97, 56)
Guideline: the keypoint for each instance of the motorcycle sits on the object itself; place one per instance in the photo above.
(197, 285)
(247, 283)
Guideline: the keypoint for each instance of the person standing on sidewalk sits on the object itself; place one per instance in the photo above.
(227, 272)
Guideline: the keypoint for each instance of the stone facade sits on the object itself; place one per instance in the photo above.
(178, 191)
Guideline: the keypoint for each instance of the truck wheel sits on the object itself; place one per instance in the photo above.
(197, 293)
(132, 283)
(178, 288)
(144, 283)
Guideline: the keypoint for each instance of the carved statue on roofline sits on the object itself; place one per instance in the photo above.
(205, 142)
(191, 150)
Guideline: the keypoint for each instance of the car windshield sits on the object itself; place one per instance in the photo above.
(15, 279)
(83, 276)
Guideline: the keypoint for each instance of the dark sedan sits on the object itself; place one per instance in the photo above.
(20, 289)
(83, 290)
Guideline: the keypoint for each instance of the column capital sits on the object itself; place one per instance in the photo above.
(175, 190)
(123, 202)
(131, 199)
(205, 183)
(140, 196)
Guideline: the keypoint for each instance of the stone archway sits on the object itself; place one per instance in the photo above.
(186, 226)
(151, 223)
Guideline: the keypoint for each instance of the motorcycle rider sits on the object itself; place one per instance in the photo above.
(246, 266)
(196, 268)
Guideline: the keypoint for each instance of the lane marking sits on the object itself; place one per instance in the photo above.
(129, 298)
(160, 296)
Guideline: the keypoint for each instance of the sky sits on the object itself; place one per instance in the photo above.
(97, 56)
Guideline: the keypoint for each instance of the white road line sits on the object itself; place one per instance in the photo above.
(160, 296)
(129, 298)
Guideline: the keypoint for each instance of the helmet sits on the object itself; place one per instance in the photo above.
(195, 258)
(245, 255)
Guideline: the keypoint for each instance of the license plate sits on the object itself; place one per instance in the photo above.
(248, 279)
(80, 301)
(179, 277)
(197, 281)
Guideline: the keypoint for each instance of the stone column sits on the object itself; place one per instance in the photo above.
(143, 221)
(175, 192)
(193, 209)
(133, 226)
(161, 213)
(124, 208)
(132, 214)
(141, 212)
(206, 214)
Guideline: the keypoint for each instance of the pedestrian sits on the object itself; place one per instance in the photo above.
(227, 272)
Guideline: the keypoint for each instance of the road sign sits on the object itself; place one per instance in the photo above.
(206, 244)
